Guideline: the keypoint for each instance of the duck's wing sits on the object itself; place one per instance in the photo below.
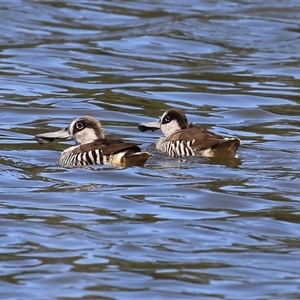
(108, 147)
(122, 154)
(199, 137)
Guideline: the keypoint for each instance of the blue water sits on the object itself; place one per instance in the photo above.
(178, 228)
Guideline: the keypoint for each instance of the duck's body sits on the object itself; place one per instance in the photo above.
(92, 146)
(183, 139)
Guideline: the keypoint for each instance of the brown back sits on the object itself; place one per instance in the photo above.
(107, 146)
(203, 138)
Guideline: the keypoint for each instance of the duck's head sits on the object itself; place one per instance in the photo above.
(171, 121)
(84, 129)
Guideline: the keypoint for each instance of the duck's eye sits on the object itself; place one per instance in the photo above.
(79, 125)
(167, 119)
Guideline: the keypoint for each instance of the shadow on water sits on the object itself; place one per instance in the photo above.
(177, 228)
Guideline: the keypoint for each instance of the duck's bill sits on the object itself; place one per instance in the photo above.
(52, 136)
(149, 126)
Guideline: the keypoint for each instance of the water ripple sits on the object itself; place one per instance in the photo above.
(178, 228)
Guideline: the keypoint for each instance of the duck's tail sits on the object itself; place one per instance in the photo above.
(227, 147)
(129, 158)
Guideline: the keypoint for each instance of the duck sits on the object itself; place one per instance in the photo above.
(92, 147)
(181, 138)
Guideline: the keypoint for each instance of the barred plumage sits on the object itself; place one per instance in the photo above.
(175, 148)
(92, 157)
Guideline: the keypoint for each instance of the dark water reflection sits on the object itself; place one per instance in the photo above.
(178, 228)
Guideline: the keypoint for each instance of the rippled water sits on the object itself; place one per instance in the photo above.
(176, 229)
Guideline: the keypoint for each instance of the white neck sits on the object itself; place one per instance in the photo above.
(85, 136)
(170, 128)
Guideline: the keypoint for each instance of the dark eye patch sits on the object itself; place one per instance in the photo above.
(79, 125)
(166, 119)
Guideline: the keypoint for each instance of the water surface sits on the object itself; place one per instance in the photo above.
(177, 228)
